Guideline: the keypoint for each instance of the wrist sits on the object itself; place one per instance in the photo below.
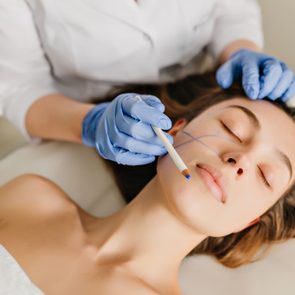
(90, 122)
(78, 119)
(236, 46)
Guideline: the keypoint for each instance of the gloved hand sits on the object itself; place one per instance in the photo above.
(121, 130)
(262, 75)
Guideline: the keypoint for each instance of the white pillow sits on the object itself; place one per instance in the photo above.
(291, 102)
(78, 170)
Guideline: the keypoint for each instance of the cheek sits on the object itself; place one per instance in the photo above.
(206, 138)
(189, 200)
(172, 181)
(181, 195)
(246, 202)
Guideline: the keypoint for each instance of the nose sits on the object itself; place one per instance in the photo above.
(238, 161)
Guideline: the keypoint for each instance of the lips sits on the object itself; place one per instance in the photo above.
(212, 179)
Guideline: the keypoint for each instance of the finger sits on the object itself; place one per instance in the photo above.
(110, 152)
(139, 130)
(225, 74)
(142, 111)
(250, 78)
(283, 84)
(271, 74)
(133, 127)
(290, 92)
(132, 159)
(136, 146)
(153, 101)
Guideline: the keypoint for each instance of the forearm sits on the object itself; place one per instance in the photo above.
(235, 46)
(57, 117)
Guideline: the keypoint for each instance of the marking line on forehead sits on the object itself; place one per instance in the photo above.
(255, 122)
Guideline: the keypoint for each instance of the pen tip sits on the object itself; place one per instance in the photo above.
(185, 173)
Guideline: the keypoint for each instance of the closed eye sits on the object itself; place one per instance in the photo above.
(228, 130)
(262, 176)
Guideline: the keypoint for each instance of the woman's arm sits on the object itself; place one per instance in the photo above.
(57, 117)
(235, 46)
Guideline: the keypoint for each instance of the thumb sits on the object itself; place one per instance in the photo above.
(225, 74)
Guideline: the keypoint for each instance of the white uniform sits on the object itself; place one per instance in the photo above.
(85, 48)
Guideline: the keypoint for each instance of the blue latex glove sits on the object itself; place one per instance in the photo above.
(262, 75)
(121, 130)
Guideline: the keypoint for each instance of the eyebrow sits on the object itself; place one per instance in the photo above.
(251, 116)
(255, 122)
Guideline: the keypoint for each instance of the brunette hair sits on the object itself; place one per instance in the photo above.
(187, 99)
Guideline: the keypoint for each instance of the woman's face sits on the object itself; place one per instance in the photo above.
(252, 156)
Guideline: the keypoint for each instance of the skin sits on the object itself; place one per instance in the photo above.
(59, 117)
(139, 249)
(235, 46)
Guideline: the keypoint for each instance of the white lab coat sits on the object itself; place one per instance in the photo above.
(85, 48)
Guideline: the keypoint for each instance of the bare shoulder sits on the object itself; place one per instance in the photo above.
(27, 182)
(31, 195)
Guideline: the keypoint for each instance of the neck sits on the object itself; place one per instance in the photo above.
(145, 235)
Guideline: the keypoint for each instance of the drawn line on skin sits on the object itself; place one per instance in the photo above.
(197, 139)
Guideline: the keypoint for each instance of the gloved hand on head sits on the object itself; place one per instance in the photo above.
(121, 130)
(261, 75)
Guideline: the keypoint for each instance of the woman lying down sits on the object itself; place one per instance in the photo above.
(246, 146)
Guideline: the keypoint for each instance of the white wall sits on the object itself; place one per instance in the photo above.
(279, 29)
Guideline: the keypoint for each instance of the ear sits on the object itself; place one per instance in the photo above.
(177, 126)
(254, 221)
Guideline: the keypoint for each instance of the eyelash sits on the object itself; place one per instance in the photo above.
(229, 131)
(260, 171)
(263, 178)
